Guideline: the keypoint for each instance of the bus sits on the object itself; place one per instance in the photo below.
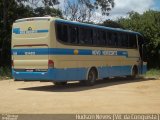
(57, 50)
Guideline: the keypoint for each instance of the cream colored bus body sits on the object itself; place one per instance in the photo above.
(33, 38)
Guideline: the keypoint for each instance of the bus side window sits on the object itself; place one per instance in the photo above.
(132, 41)
(65, 34)
(90, 36)
(115, 39)
(119, 40)
(124, 40)
(102, 38)
(95, 37)
(109, 38)
(106, 40)
(81, 36)
(85, 36)
(73, 34)
(59, 31)
(99, 37)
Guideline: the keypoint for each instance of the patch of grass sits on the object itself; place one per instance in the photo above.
(5, 73)
(153, 73)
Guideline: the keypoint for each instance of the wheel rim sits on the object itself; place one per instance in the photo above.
(91, 77)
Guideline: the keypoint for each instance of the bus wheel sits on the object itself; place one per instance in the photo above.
(92, 76)
(134, 72)
(60, 83)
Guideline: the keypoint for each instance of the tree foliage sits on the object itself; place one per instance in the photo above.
(42, 11)
(104, 5)
(77, 11)
(113, 24)
(16, 9)
(147, 24)
(84, 10)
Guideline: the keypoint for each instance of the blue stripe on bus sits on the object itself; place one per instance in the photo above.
(69, 74)
(19, 31)
(16, 30)
(61, 51)
(42, 31)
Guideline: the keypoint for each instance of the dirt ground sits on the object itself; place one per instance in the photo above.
(118, 95)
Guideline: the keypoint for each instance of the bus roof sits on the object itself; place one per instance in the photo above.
(76, 23)
(96, 26)
(33, 18)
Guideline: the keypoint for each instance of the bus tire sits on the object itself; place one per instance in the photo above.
(92, 76)
(134, 72)
(60, 83)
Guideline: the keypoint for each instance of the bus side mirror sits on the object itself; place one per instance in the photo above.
(144, 53)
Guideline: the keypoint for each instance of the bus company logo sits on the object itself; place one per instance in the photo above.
(29, 28)
(104, 52)
(96, 52)
(111, 53)
(28, 31)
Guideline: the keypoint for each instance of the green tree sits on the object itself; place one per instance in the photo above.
(113, 24)
(147, 24)
(16, 9)
(11, 10)
(42, 11)
(104, 5)
(84, 10)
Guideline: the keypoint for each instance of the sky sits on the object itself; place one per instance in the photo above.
(157, 4)
(122, 7)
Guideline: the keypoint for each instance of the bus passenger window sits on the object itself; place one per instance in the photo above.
(73, 34)
(99, 38)
(90, 36)
(102, 38)
(132, 41)
(95, 37)
(124, 41)
(59, 31)
(85, 36)
(114, 39)
(65, 34)
(119, 40)
(109, 39)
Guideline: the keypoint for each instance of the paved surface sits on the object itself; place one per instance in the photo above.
(110, 96)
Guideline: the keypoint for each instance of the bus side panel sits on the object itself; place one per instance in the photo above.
(53, 75)
(108, 66)
(114, 71)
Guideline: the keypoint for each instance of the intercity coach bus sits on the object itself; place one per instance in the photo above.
(57, 50)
